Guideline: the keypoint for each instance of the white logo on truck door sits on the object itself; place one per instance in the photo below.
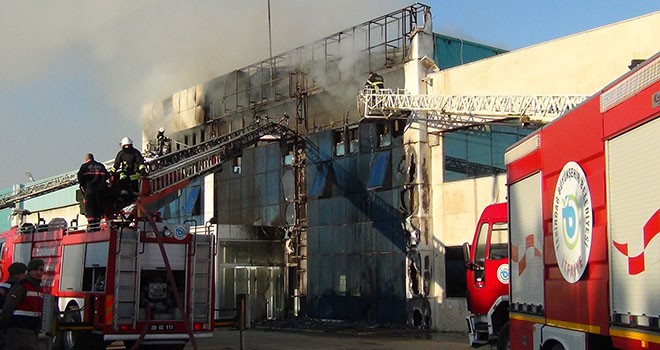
(503, 273)
(572, 222)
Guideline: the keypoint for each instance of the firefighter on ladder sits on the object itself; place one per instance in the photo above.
(375, 82)
(92, 178)
(129, 165)
(21, 315)
(164, 142)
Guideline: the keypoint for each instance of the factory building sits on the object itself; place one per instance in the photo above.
(361, 215)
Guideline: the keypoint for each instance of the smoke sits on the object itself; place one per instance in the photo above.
(91, 66)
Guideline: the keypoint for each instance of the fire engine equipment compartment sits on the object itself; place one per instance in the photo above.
(154, 288)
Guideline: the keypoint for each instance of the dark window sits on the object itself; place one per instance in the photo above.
(236, 165)
(455, 272)
(353, 140)
(384, 131)
(192, 203)
(380, 170)
(340, 145)
(320, 186)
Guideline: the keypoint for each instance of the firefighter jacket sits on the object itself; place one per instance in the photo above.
(92, 174)
(4, 290)
(24, 305)
(375, 81)
(129, 161)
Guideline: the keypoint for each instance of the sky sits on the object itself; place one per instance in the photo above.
(74, 74)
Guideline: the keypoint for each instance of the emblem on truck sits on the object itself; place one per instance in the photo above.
(572, 222)
(503, 273)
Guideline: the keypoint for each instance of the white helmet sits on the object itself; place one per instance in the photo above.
(162, 129)
(126, 141)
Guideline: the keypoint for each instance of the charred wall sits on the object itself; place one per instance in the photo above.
(249, 188)
(356, 243)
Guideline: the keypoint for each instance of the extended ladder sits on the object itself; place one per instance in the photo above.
(168, 170)
(41, 188)
(446, 112)
(184, 165)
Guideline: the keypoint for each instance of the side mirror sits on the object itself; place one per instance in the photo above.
(466, 253)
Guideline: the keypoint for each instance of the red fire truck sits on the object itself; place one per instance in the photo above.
(136, 278)
(487, 276)
(584, 213)
(113, 284)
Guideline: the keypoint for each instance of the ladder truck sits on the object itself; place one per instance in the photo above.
(137, 279)
(585, 191)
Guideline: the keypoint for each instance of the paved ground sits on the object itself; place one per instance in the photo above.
(263, 339)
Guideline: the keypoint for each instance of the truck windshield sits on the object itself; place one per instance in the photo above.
(499, 239)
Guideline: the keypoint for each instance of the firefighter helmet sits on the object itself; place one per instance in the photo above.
(126, 141)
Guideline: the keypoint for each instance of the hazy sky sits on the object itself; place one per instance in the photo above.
(75, 73)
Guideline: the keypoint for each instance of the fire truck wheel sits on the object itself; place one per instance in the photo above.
(70, 338)
(503, 341)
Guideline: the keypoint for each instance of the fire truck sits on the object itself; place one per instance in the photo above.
(584, 213)
(136, 278)
(487, 276)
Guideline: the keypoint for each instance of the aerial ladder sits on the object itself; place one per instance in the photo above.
(444, 113)
(174, 171)
(169, 173)
(450, 112)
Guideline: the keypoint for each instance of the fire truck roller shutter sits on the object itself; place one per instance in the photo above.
(633, 204)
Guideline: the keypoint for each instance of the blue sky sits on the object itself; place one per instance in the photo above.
(74, 74)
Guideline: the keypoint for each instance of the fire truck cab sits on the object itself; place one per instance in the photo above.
(112, 284)
(487, 276)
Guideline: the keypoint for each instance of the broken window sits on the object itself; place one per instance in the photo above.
(353, 140)
(236, 165)
(340, 145)
(192, 206)
(384, 131)
(321, 186)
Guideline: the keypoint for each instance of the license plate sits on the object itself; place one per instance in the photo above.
(161, 327)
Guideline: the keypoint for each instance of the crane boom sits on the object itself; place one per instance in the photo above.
(447, 112)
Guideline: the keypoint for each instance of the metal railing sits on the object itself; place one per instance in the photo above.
(453, 111)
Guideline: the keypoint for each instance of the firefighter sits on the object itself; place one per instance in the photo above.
(163, 142)
(21, 315)
(16, 274)
(375, 82)
(129, 165)
(93, 178)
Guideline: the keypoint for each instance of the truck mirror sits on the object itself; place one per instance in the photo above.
(466, 253)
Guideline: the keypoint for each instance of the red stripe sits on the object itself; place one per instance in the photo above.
(637, 264)
(651, 228)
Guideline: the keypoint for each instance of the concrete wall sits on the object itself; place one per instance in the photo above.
(579, 64)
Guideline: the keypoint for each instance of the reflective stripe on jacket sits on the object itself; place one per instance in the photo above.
(28, 312)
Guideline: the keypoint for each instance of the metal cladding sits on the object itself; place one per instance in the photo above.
(356, 244)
